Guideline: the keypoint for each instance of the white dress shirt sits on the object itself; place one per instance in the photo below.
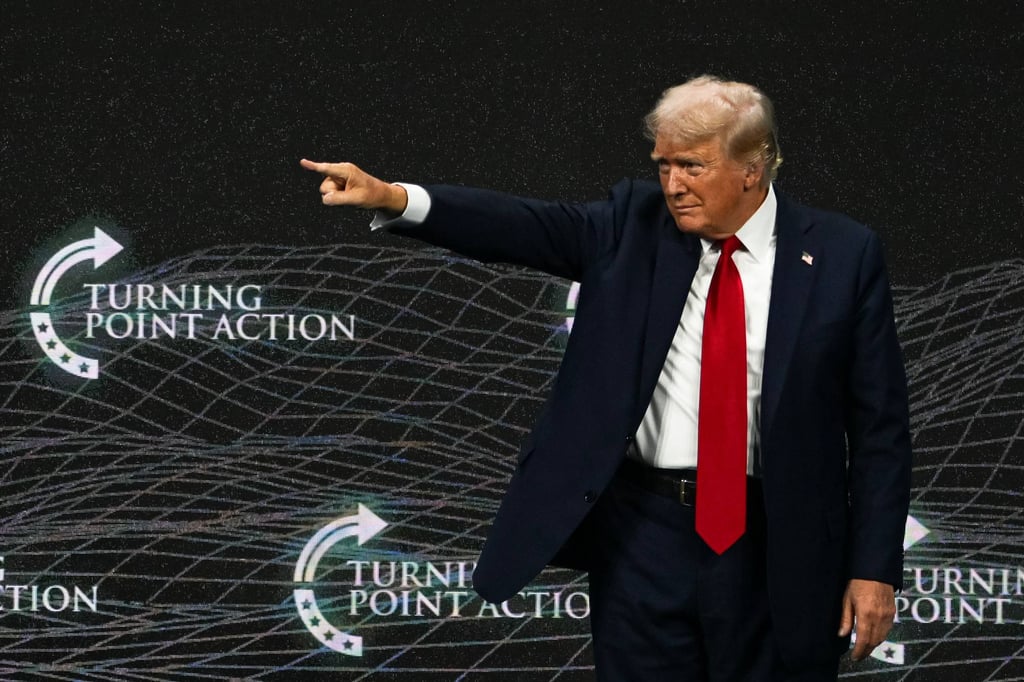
(668, 433)
(667, 436)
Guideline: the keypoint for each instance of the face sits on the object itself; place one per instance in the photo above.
(707, 193)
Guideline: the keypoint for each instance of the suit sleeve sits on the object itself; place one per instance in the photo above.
(560, 238)
(878, 431)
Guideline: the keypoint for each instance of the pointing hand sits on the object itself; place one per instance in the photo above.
(345, 184)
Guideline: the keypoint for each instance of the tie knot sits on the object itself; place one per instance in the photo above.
(730, 246)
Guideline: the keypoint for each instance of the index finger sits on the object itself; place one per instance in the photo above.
(325, 168)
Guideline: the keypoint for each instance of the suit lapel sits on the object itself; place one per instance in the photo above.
(675, 265)
(792, 279)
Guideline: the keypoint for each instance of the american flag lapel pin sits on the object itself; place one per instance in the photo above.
(807, 258)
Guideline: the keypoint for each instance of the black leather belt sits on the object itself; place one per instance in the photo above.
(676, 484)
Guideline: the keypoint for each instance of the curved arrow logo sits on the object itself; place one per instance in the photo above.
(362, 526)
(99, 249)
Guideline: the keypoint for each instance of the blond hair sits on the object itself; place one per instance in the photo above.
(738, 114)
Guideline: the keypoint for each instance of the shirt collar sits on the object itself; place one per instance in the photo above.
(759, 230)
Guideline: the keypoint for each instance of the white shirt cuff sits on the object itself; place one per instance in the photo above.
(416, 209)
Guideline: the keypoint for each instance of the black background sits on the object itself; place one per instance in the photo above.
(182, 123)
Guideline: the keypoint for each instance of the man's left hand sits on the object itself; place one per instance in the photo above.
(873, 605)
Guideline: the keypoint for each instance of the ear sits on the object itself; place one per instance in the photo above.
(753, 175)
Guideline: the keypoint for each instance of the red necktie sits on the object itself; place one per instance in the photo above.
(722, 420)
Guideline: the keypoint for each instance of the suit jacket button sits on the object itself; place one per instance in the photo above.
(589, 496)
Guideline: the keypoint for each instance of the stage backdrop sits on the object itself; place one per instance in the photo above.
(245, 437)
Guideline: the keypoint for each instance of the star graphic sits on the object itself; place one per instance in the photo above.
(328, 635)
(51, 344)
(43, 327)
(347, 644)
(65, 358)
(890, 652)
(83, 368)
(314, 621)
(306, 604)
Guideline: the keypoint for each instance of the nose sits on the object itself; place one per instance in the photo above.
(677, 181)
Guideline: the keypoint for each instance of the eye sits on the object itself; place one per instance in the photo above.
(663, 167)
(694, 168)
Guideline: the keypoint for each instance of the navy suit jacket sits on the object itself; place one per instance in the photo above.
(835, 444)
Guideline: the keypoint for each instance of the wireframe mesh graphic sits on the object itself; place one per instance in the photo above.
(185, 481)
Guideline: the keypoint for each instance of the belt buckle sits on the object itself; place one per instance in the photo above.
(687, 493)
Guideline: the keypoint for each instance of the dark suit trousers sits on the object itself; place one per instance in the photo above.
(664, 607)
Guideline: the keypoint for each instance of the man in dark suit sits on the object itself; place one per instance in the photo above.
(726, 449)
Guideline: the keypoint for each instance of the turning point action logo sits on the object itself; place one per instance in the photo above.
(148, 311)
(408, 589)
